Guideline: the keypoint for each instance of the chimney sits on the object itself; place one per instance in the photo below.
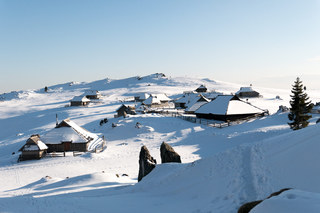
(57, 120)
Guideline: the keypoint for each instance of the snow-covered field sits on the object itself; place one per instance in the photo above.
(221, 169)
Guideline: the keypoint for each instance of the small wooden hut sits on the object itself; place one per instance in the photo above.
(80, 101)
(124, 110)
(196, 103)
(33, 149)
(140, 97)
(201, 88)
(247, 92)
(92, 94)
(185, 99)
(68, 136)
(157, 101)
(228, 108)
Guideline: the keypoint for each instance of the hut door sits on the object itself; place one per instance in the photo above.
(67, 146)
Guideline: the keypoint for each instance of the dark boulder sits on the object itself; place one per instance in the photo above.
(246, 208)
(146, 163)
(168, 154)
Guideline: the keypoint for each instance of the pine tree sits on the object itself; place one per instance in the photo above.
(300, 106)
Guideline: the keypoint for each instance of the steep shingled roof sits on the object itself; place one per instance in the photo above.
(67, 130)
(228, 105)
(33, 144)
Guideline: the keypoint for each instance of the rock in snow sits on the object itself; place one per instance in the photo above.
(247, 207)
(168, 154)
(146, 163)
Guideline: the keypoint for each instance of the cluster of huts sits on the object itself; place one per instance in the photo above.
(200, 102)
(66, 136)
(145, 103)
(217, 106)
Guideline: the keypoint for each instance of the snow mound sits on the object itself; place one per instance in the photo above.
(291, 201)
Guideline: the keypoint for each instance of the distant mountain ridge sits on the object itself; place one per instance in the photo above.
(134, 83)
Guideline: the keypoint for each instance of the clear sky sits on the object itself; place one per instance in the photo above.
(44, 42)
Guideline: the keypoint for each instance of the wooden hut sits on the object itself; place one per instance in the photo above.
(68, 136)
(157, 101)
(140, 97)
(185, 99)
(247, 92)
(211, 95)
(33, 149)
(228, 108)
(124, 110)
(80, 101)
(92, 94)
(201, 88)
(196, 103)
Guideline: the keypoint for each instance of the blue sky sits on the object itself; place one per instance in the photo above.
(48, 42)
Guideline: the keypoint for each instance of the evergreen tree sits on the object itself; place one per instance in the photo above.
(300, 106)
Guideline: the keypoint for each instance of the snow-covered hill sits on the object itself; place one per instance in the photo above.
(222, 168)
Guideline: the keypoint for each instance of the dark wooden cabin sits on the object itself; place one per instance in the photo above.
(185, 99)
(201, 88)
(92, 94)
(124, 110)
(141, 97)
(80, 101)
(247, 92)
(228, 108)
(33, 149)
(196, 103)
(68, 136)
(157, 101)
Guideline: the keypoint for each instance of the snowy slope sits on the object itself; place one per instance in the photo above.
(222, 168)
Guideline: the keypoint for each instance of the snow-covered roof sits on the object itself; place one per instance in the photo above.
(195, 101)
(195, 106)
(39, 146)
(127, 106)
(211, 95)
(80, 98)
(142, 96)
(67, 130)
(156, 99)
(42, 145)
(228, 105)
(63, 134)
(186, 98)
(245, 89)
(91, 92)
(33, 144)
(202, 87)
